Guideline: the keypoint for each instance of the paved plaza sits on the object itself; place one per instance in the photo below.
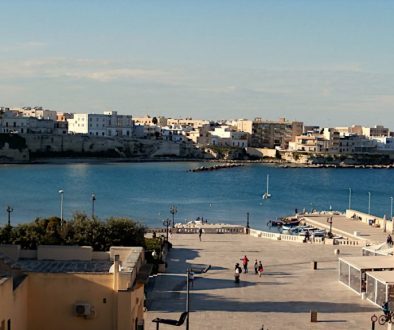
(281, 299)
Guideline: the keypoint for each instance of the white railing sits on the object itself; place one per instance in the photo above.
(300, 239)
(350, 242)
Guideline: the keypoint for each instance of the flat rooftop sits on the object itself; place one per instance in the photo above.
(370, 262)
(383, 276)
(281, 299)
(55, 266)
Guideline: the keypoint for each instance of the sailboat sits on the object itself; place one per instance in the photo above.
(267, 195)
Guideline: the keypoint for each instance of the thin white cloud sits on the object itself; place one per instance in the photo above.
(90, 69)
(22, 46)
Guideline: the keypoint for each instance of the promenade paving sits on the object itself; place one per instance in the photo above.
(347, 226)
(281, 299)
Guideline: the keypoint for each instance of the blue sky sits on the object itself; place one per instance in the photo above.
(322, 62)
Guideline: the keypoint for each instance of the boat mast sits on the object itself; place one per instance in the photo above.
(268, 180)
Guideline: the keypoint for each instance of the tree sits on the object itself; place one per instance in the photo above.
(80, 230)
(154, 121)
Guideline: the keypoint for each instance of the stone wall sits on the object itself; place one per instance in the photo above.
(261, 152)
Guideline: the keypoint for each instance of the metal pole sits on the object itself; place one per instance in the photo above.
(93, 200)
(247, 220)
(369, 202)
(173, 210)
(61, 192)
(187, 298)
(350, 198)
(391, 208)
(9, 210)
(167, 223)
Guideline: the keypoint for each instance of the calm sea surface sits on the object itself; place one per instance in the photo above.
(145, 191)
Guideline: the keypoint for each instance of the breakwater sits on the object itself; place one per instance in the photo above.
(215, 167)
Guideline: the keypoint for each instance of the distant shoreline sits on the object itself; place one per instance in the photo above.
(269, 162)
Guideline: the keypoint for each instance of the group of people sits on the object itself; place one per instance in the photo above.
(258, 268)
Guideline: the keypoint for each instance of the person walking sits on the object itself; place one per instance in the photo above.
(260, 268)
(191, 278)
(245, 261)
(237, 272)
(199, 233)
(256, 267)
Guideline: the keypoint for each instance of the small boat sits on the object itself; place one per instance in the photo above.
(313, 232)
(267, 195)
(276, 223)
(290, 225)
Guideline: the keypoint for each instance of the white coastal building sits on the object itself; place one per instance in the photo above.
(35, 112)
(107, 124)
(225, 136)
(384, 143)
(13, 122)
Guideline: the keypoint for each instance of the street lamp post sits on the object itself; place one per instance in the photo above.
(187, 297)
(369, 202)
(9, 210)
(329, 220)
(247, 223)
(167, 223)
(93, 200)
(173, 211)
(61, 192)
(350, 198)
(190, 270)
(391, 208)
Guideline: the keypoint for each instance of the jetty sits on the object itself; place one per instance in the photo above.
(215, 167)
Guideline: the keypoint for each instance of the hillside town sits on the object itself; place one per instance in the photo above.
(259, 137)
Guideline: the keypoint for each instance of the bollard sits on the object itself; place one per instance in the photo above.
(337, 251)
(374, 318)
(314, 264)
(313, 316)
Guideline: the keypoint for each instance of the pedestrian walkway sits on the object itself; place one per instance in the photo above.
(281, 299)
(347, 227)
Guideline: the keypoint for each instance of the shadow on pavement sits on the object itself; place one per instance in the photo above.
(204, 302)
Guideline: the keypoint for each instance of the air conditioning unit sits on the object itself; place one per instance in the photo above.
(82, 309)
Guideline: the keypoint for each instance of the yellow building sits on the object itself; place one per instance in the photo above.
(68, 287)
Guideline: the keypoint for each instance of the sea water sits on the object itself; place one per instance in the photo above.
(146, 191)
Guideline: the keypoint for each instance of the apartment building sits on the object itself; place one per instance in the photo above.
(13, 122)
(149, 121)
(107, 124)
(377, 130)
(35, 112)
(225, 136)
(69, 287)
(271, 134)
(309, 143)
(195, 123)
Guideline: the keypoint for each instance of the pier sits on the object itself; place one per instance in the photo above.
(353, 224)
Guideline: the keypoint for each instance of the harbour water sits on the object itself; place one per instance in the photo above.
(145, 191)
